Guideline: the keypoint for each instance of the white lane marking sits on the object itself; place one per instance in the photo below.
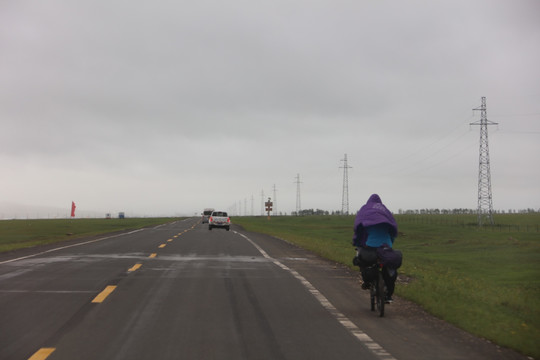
(340, 317)
(69, 246)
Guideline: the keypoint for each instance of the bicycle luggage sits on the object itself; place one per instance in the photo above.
(367, 256)
(369, 274)
(389, 257)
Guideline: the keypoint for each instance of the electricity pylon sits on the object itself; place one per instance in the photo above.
(298, 205)
(485, 199)
(345, 193)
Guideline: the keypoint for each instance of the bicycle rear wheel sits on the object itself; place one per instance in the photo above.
(373, 296)
(380, 294)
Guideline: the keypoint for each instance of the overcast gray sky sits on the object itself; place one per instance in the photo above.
(165, 108)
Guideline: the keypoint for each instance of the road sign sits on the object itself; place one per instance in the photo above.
(269, 205)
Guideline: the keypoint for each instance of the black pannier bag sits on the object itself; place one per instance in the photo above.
(369, 273)
(367, 256)
(389, 257)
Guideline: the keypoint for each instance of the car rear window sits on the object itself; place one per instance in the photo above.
(219, 213)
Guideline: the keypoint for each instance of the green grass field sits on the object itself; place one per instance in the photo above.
(17, 234)
(482, 280)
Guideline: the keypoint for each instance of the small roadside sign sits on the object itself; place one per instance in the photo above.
(269, 205)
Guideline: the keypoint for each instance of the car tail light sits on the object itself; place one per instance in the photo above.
(228, 220)
(211, 219)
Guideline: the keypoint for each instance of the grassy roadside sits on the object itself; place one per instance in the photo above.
(483, 281)
(17, 234)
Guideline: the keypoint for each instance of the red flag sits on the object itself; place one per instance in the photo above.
(73, 207)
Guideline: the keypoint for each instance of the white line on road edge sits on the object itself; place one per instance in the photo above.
(343, 320)
(68, 246)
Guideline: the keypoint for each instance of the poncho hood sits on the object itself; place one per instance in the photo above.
(374, 212)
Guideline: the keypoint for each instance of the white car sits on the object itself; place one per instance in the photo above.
(219, 219)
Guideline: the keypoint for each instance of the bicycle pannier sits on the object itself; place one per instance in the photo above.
(390, 257)
(367, 256)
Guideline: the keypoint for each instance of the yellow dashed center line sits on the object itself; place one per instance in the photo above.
(103, 295)
(135, 267)
(42, 354)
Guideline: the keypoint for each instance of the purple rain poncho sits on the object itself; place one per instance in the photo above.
(372, 213)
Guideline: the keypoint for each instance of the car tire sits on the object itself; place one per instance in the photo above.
(209, 228)
(227, 228)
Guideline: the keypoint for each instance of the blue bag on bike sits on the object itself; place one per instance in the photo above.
(389, 257)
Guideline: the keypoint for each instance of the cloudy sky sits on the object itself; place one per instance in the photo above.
(168, 107)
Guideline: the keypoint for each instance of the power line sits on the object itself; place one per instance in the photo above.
(431, 159)
(510, 115)
(519, 132)
(425, 149)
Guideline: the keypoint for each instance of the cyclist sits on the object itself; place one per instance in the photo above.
(374, 227)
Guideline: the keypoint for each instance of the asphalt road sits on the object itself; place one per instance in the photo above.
(179, 291)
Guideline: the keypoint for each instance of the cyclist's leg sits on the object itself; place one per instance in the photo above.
(390, 276)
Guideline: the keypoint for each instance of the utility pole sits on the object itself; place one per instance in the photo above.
(345, 193)
(275, 202)
(298, 205)
(262, 202)
(485, 201)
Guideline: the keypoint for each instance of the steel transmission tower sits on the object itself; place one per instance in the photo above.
(485, 201)
(298, 205)
(345, 194)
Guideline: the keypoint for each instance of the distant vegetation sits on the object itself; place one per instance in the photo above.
(463, 211)
(484, 280)
(460, 211)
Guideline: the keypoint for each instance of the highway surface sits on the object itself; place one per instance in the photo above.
(180, 291)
